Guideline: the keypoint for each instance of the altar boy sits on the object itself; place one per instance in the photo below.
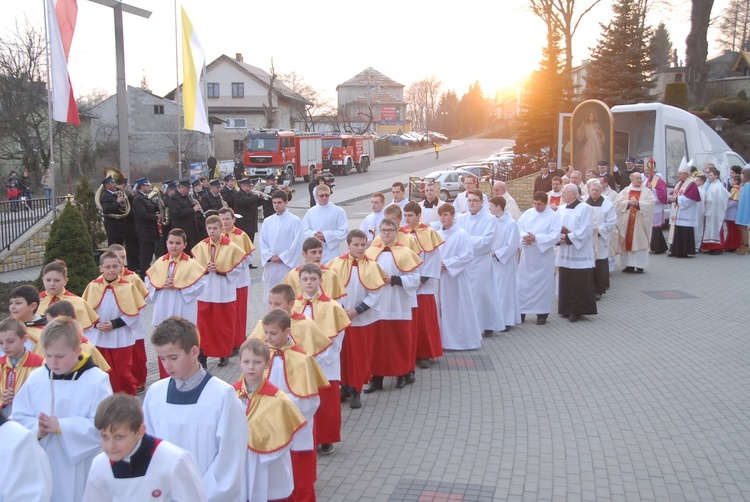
(197, 412)
(135, 465)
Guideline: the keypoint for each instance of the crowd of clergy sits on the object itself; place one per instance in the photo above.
(346, 309)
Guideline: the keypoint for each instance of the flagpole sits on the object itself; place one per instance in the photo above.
(49, 109)
(177, 91)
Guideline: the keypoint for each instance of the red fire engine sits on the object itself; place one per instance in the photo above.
(282, 152)
(343, 152)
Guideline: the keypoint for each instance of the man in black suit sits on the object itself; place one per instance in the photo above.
(246, 204)
(183, 211)
(543, 182)
(212, 200)
(267, 203)
(147, 219)
(604, 171)
(112, 204)
(625, 174)
(228, 192)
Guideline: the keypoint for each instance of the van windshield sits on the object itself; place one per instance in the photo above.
(262, 144)
(335, 142)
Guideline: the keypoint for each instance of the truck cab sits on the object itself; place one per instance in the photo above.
(344, 152)
(285, 153)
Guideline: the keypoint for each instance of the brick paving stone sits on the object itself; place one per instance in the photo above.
(645, 401)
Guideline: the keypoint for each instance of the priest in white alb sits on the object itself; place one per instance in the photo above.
(462, 199)
(280, 243)
(371, 224)
(714, 209)
(459, 328)
(539, 228)
(635, 214)
(575, 257)
(511, 206)
(480, 225)
(326, 222)
(430, 205)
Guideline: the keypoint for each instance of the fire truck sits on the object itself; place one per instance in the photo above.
(285, 153)
(344, 152)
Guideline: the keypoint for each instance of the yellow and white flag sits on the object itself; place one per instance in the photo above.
(193, 63)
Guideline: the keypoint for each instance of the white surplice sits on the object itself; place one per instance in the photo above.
(117, 338)
(430, 214)
(29, 478)
(356, 293)
(303, 438)
(606, 221)
(272, 476)
(371, 225)
(579, 220)
(536, 271)
(280, 235)
(462, 205)
(396, 302)
(75, 401)
(179, 302)
(481, 228)
(459, 328)
(505, 267)
(172, 474)
(511, 206)
(331, 220)
(214, 431)
(700, 217)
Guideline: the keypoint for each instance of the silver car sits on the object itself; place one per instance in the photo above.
(450, 183)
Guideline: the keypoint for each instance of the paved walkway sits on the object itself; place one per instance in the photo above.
(647, 401)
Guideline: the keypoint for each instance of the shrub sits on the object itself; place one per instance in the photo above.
(69, 240)
(736, 110)
(676, 94)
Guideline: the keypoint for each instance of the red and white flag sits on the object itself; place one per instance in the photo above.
(62, 22)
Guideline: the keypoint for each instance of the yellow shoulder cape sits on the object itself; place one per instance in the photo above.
(406, 260)
(370, 274)
(129, 301)
(185, 272)
(302, 373)
(228, 255)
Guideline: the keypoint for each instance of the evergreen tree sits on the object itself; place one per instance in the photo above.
(619, 69)
(91, 215)
(544, 100)
(69, 240)
(660, 47)
(472, 111)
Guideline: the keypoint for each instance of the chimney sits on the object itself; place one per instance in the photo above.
(238, 57)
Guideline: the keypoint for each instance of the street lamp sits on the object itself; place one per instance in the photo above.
(719, 123)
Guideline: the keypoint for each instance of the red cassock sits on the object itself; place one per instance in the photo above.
(356, 356)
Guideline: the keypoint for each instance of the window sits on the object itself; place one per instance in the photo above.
(213, 90)
(238, 89)
(676, 149)
(678, 77)
(238, 144)
(158, 109)
(235, 124)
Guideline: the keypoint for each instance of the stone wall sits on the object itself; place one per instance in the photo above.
(522, 190)
(29, 253)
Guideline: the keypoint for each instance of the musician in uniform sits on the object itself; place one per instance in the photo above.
(212, 200)
(229, 191)
(113, 205)
(170, 189)
(183, 211)
(147, 220)
(267, 203)
(198, 194)
(246, 204)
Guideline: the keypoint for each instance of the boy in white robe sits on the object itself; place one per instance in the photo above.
(505, 261)
(30, 478)
(371, 223)
(197, 412)
(459, 328)
(58, 403)
(540, 230)
(135, 465)
(480, 225)
(281, 239)
(326, 222)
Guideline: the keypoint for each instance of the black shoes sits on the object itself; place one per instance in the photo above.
(400, 382)
(223, 361)
(235, 351)
(574, 318)
(375, 384)
(410, 378)
(638, 270)
(344, 392)
(628, 270)
(354, 402)
(425, 363)
(597, 297)
(541, 320)
(487, 332)
(326, 449)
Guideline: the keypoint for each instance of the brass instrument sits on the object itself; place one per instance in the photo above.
(156, 196)
(124, 205)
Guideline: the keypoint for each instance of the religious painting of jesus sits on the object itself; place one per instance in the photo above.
(591, 135)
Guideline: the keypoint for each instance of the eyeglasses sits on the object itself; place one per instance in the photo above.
(324, 195)
(387, 230)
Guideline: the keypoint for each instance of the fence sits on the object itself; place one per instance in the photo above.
(18, 216)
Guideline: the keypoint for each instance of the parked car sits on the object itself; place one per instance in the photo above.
(450, 184)
(402, 140)
(436, 137)
(486, 172)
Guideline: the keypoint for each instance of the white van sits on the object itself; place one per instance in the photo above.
(668, 134)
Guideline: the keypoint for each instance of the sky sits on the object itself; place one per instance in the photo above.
(326, 42)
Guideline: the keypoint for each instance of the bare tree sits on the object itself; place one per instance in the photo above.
(562, 15)
(733, 25)
(23, 99)
(269, 108)
(312, 107)
(696, 73)
(422, 97)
